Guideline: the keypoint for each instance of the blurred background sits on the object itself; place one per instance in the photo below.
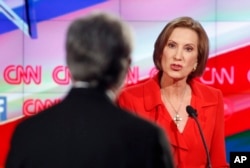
(33, 75)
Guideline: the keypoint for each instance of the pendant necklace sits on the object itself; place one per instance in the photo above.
(177, 117)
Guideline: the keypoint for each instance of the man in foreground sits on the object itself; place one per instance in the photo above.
(87, 129)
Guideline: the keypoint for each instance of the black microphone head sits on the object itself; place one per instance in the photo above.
(191, 111)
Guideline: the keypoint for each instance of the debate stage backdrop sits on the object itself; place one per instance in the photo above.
(33, 75)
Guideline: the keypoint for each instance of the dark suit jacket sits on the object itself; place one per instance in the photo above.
(87, 130)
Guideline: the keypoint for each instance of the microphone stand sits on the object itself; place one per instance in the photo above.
(192, 113)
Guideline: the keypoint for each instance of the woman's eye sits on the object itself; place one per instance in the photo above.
(170, 45)
(189, 49)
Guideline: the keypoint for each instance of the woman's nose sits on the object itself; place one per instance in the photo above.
(178, 54)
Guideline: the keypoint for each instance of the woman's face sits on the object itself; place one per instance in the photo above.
(180, 53)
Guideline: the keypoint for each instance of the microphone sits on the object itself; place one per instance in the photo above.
(193, 113)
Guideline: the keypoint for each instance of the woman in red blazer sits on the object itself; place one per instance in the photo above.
(180, 54)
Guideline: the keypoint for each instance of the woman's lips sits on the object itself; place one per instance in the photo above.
(176, 67)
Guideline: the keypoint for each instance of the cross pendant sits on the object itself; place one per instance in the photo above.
(177, 118)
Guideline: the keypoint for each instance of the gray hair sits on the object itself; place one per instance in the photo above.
(98, 49)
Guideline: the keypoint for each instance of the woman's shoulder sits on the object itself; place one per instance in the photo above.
(147, 88)
(203, 89)
(139, 87)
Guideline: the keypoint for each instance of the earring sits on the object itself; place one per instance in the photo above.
(195, 66)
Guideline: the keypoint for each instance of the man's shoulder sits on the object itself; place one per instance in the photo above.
(135, 123)
(38, 121)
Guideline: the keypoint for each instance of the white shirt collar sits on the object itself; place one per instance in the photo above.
(82, 84)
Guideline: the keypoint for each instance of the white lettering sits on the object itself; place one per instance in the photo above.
(243, 158)
(240, 159)
(237, 159)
